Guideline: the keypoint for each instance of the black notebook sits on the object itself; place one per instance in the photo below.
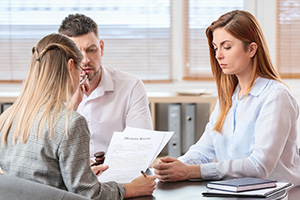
(241, 184)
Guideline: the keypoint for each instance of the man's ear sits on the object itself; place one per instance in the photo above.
(102, 47)
(71, 64)
(252, 49)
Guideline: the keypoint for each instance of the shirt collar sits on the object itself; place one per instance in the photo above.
(106, 84)
(258, 86)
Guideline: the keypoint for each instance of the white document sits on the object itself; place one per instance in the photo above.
(131, 151)
(167, 136)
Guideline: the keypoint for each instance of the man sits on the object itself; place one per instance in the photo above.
(111, 99)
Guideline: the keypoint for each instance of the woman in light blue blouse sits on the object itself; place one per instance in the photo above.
(252, 131)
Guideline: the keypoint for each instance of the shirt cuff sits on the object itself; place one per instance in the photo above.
(122, 190)
(209, 171)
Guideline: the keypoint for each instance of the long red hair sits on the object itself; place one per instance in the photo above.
(243, 26)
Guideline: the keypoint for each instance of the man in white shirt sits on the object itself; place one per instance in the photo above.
(110, 99)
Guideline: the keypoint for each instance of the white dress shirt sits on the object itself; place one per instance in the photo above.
(258, 139)
(120, 100)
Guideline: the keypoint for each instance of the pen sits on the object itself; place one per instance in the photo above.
(144, 174)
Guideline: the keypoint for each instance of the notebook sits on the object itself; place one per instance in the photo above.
(279, 190)
(241, 184)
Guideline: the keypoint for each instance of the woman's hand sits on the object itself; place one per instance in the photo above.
(78, 95)
(141, 186)
(170, 169)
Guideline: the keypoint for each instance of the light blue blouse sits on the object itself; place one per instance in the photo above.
(258, 139)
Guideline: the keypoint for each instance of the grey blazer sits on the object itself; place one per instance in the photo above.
(14, 188)
(61, 161)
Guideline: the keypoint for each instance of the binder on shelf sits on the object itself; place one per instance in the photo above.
(189, 126)
(4, 106)
(174, 124)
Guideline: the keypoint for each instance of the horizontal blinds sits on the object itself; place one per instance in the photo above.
(288, 38)
(136, 33)
(200, 14)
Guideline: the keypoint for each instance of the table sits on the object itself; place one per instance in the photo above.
(190, 190)
(8, 97)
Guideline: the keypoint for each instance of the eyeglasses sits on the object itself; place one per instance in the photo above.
(85, 76)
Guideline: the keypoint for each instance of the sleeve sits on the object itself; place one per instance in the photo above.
(278, 114)
(203, 151)
(138, 114)
(75, 167)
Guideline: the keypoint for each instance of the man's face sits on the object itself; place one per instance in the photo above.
(92, 50)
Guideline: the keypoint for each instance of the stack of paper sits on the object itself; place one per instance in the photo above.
(241, 184)
(131, 151)
(193, 92)
(267, 192)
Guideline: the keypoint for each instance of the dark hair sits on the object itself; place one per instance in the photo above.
(77, 25)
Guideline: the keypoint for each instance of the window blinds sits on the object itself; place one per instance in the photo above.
(288, 38)
(136, 33)
(199, 15)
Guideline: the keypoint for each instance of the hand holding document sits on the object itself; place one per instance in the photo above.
(131, 151)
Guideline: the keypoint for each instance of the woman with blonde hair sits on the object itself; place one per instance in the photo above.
(252, 131)
(43, 140)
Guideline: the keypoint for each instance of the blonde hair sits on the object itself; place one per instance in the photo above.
(47, 89)
(243, 26)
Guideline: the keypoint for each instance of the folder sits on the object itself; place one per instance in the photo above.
(189, 126)
(4, 106)
(174, 124)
